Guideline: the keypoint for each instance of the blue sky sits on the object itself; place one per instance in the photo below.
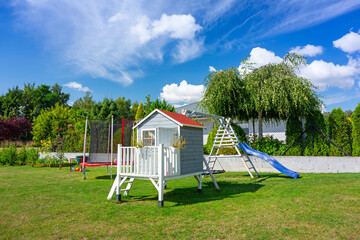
(167, 48)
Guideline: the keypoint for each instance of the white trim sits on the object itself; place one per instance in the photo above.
(149, 129)
(168, 117)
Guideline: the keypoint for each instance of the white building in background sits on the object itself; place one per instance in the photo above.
(273, 128)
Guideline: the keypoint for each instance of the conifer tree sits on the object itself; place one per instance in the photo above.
(355, 119)
(293, 131)
(339, 130)
(321, 147)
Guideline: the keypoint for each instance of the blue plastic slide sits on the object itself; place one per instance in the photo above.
(268, 159)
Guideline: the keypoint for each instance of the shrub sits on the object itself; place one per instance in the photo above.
(22, 155)
(9, 155)
(32, 156)
(355, 119)
(321, 147)
(339, 130)
(268, 145)
(14, 128)
(293, 131)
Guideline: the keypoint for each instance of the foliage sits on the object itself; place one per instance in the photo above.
(179, 142)
(57, 122)
(293, 131)
(9, 155)
(140, 113)
(31, 100)
(161, 105)
(226, 95)
(210, 140)
(22, 155)
(32, 156)
(268, 145)
(348, 113)
(14, 128)
(124, 108)
(84, 104)
(355, 119)
(273, 91)
(321, 147)
(339, 130)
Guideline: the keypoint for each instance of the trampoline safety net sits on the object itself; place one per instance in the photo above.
(100, 140)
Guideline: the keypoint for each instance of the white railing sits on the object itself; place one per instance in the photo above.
(146, 161)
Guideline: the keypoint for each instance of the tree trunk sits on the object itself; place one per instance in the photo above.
(254, 133)
(260, 125)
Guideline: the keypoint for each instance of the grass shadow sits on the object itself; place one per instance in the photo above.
(275, 175)
(190, 195)
(108, 177)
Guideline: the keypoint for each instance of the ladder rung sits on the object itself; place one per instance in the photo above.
(128, 181)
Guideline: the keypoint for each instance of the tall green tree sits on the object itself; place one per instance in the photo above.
(339, 130)
(140, 113)
(293, 131)
(321, 146)
(273, 91)
(161, 105)
(59, 122)
(355, 119)
(11, 103)
(85, 103)
(277, 92)
(133, 109)
(124, 107)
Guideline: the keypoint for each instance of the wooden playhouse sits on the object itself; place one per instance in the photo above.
(157, 160)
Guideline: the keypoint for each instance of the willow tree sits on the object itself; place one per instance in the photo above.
(273, 91)
(226, 95)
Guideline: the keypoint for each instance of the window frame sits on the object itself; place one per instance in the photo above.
(147, 130)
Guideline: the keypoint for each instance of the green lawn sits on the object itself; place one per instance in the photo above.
(48, 203)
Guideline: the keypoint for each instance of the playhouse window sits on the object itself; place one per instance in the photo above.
(148, 137)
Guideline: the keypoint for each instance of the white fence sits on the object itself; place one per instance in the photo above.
(145, 161)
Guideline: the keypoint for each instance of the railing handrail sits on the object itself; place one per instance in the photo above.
(147, 160)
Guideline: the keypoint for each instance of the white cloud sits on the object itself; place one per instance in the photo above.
(348, 43)
(327, 74)
(308, 50)
(112, 39)
(77, 86)
(212, 69)
(182, 93)
(260, 57)
(176, 26)
(187, 50)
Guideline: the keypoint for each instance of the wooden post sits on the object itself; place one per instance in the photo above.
(84, 153)
(211, 175)
(118, 177)
(161, 175)
(199, 180)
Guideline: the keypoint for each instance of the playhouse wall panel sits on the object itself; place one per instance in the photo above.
(156, 121)
(192, 156)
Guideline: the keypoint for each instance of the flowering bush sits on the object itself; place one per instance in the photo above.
(14, 128)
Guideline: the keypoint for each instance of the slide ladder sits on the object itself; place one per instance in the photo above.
(227, 138)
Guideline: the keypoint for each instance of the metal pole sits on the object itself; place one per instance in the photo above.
(84, 154)
(296, 140)
(317, 129)
(112, 143)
